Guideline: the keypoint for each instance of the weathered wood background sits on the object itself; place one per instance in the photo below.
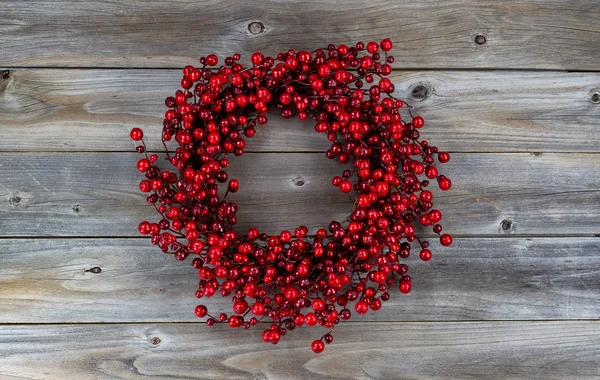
(511, 88)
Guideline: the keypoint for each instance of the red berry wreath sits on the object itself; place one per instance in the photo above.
(293, 279)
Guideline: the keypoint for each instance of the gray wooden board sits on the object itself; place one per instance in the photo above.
(465, 111)
(441, 34)
(96, 194)
(129, 280)
(473, 350)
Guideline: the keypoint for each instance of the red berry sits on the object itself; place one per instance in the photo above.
(234, 321)
(425, 255)
(375, 304)
(144, 228)
(234, 185)
(361, 307)
(258, 309)
(346, 186)
(318, 304)
(143, 165)
(257, 58)
(445, 184)
(418, 122)
(136, 134)
(317, 346)
(386, 44)
(443, 157)
(372, 47)
(426, 196)
(212, 60)
(300, 232)
(446, 240)
(145, 186)
(201, 311)
(252, 234)
(405, 286)
(310, 319)
(240, 307)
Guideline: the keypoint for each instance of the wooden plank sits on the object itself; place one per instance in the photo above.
(440, 34)
(466, 111)
(95, 194)
(500, 350)
(128, 280)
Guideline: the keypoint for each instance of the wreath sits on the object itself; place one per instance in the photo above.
(294, 278)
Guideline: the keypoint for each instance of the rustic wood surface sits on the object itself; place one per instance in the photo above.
(96, 194)
(126, 280)
(533, 34)
(466, 111)
(82, 296)
(472, 350)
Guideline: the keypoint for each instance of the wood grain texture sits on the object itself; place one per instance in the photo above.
(502, 350)
(128, 280)
(439, 34)
(465, 111)
(96, 194)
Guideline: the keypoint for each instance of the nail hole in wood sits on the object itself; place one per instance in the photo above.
(256, 27)
(506, 225)
(5, 74)
(76, 208)
(298, 182)
(15, 201)
(420, 92)
(155, 341)
(480, 39)
(94, 270)
(537, 153)
(595, 98)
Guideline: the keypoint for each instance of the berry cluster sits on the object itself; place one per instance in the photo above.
(293, 279)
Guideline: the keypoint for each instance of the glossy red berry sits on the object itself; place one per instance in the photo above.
(443, 157)
(201, 311)
(418, 122)
(212, 60)
(257, 58)
(425, 255)
(361, 307)
(405, 286)
(317, 346)
(143, 165)
(136, 134)
(445, 184)
(372, 47)
(234, 185)
(386, 44)
(346, 186)
(446, 240)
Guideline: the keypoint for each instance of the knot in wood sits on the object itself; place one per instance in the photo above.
(155, 341)
(298, 181)
(480, 39)
(256, 27)
(507, 225)
(15, 201)
(94, 270)
(420, 92)
(5, 74)
(595, 98)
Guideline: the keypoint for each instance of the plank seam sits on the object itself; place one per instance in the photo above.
(395, 69)
(465, 321)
